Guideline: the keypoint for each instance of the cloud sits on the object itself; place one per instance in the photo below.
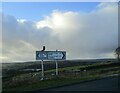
(81, 35)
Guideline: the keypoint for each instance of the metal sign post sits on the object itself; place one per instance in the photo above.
(50, 55)
(42, 66)
(56, 68)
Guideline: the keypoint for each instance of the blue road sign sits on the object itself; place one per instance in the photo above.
(50, 55)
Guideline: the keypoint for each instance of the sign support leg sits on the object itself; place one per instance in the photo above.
(42, 66)
(56, 68)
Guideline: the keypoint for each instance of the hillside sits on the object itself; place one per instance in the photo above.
(11, 69)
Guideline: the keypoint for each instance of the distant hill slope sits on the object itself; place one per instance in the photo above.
(9, 68)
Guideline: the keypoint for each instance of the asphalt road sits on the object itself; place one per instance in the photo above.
(106, 84)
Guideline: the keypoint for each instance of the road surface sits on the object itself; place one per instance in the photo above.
(106, 84)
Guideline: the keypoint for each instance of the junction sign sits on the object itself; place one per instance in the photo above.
(50, 55)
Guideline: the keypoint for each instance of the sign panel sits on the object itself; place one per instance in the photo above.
(50, 55)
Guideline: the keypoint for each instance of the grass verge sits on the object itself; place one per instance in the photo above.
(66, 76)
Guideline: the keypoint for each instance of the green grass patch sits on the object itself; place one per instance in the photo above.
(31, 81)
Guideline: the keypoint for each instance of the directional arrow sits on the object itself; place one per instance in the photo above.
(50, 55)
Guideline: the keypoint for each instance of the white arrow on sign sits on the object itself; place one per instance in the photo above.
(55, 55)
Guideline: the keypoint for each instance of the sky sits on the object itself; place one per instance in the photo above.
(36, 10)
(84, 30)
